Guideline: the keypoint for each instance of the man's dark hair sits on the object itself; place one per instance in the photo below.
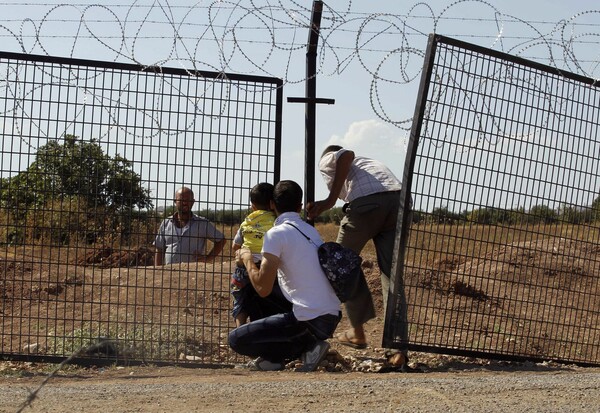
(331, 148)
(261, 195)
(287, 196)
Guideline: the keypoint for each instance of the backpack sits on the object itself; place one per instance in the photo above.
(342, 268)
(341, 265)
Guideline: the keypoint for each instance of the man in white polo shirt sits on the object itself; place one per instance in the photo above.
(291, 258)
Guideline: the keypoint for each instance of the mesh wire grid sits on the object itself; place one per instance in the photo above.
(92, 153)
(501, 259)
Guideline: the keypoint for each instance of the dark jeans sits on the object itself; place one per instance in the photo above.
(281, 337)
(247, 300)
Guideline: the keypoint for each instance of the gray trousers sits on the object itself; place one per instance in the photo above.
(373, 217)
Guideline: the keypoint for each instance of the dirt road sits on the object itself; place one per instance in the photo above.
(446, 384)
(152, 389)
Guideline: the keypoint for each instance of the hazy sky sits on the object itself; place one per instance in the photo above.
(370, 60)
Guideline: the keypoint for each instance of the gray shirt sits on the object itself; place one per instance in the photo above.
(188, 243)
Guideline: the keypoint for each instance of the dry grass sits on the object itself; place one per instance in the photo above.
(527, 291)
(522, 289)
(432, 243)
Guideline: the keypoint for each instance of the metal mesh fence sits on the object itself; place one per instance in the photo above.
(502, 258)
(92, 154)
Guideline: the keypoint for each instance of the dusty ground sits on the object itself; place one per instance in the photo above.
(444, 383)
(534, 388)
(196, 301)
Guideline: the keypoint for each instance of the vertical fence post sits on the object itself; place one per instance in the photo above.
(310, 100)
(311, 94)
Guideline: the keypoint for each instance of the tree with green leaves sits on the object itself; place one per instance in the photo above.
(442, 215)
(542, 214)
(576, 215)
(74, 169)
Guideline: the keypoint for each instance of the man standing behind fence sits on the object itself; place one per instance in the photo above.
(182, 236)
(372, 195)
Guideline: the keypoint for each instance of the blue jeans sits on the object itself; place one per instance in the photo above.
(281, 337)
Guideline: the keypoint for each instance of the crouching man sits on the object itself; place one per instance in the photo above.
(292, 259)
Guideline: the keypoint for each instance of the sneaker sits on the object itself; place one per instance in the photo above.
(261, 364)
(313, 357)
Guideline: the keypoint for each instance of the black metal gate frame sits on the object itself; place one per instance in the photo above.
(259, 160)
(471, 101)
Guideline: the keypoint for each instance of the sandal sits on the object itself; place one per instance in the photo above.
(346, 340)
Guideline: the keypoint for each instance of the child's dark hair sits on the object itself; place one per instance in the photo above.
(261, 196)
(331, 148)
(287, 196)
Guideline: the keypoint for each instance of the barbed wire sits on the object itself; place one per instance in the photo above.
(267, 37)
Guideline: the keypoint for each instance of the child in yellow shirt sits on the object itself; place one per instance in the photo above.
(250, 235)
